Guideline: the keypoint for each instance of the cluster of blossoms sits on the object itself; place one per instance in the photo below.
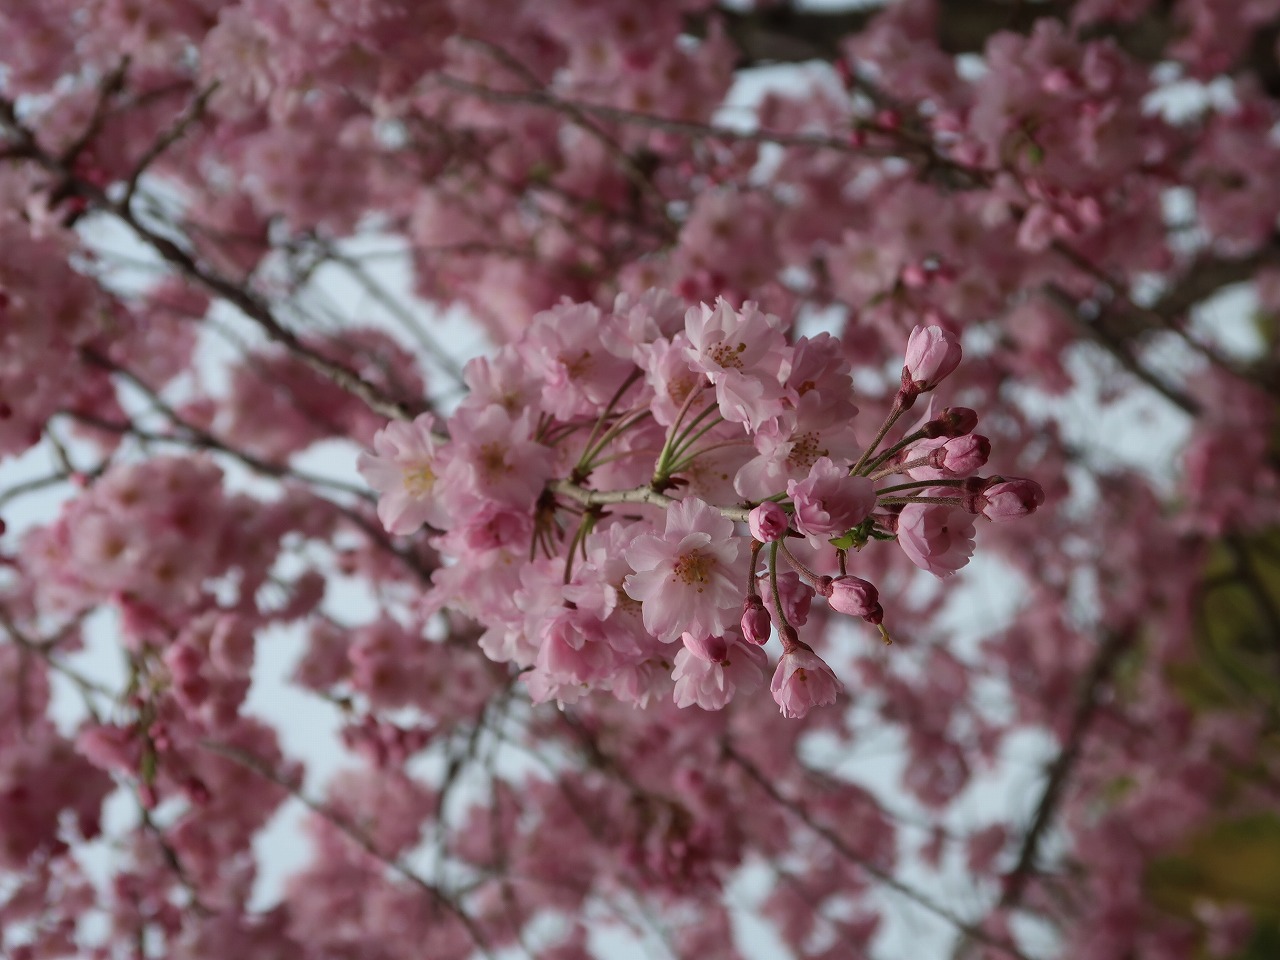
(619, 484)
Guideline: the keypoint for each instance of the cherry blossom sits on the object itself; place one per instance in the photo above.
(619, 332)
(803, 681)
(684, 578)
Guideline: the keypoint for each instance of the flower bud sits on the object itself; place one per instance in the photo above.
(768, 522)
(964, 455)
(932, 354)
(853, 596)
(1010, 499)
(755, 620)
(951, 422)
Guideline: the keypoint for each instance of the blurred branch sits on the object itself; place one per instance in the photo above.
(1121, 320)
(356, 835)
(190, 116)
(971, 931)
(241, 297)
(784, 34)
(1058, 774)
(1119, 348)
(901, 143)
(1090, 696)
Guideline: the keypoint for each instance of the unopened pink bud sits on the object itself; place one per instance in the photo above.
(768, 522)
(964, 455)
(1011, 499)
(932, 354)
(755, 620)
(951, 422)
(853, 596)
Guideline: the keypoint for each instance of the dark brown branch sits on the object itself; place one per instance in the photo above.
(784, 34)
(1058, 775)
(1059, 772)
(1120, 349)
(240, 297)
(971, 931)
(357, 836)
(189, 117)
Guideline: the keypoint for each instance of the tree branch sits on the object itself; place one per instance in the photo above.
(784, 34)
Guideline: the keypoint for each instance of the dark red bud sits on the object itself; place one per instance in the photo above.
(951, 422)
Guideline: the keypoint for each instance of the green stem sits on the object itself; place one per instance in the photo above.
(685, 461)
(797, 563)
(613, 402)
(876, 474)
(773, 584)
(894, 413)
(904, 442)
(587, 462)
(662, 469)
(894, 501)
(919, 485)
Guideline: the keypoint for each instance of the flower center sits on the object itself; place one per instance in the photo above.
(493, 460)
(579, 366)
(419, 480)
(805, 451)
(728, 356)
(695, 569)
(679, 387)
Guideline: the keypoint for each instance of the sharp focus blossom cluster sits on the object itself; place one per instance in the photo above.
(635, 500)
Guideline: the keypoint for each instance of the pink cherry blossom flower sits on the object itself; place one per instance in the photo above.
(670, 376)
(578, 374)
(936, 537)
(404, 468)
(711, 649)
(574, 652)
(687, 579)
(742, 353)
(802, 681)
(829, 501)
(710, 684)
(495, 457)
